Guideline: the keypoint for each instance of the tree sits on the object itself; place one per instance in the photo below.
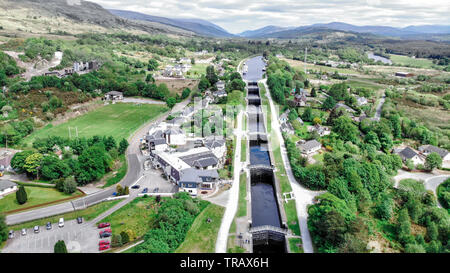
(60, 247)
(432, 161)
(18, 160)
(125, 237)
(152, 65)
(171, 102)
(69, 185)
(313, 92)
(203, 84)
(386, 141)
(186, 93)
(116, 240)
(21, 195)
(53, 168)
(119, 190)
(329, 103)
(33, 163)
(345, 129)
(372, 138)
(3, 228)
(123, 145)
(307, 114)
(211, 75)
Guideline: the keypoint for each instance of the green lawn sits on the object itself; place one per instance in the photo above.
(196, 71)
(87, 214)
(134, 216)
(36, 196)
(242, 206)
(243, 149)
(202, 236)
(293, 245)
(318, 157)
(408, 61)
(119, 120)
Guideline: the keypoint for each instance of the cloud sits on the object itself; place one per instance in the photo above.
(239, 15)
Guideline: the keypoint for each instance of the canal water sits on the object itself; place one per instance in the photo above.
(265, 210)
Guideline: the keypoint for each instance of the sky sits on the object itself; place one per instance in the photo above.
(240, 15)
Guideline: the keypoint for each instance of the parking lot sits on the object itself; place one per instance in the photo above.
(153, 179)
(82, 238)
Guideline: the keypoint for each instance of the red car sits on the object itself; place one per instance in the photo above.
(103, 242)
(107, 230)
(103, 247)
(103, 225)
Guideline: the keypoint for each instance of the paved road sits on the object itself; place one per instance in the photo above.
(379, 108)
(135, 171)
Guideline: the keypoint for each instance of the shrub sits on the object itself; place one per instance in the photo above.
(21, 195)
(60, 247)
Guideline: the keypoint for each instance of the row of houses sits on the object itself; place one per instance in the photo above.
(78, 67)
(419, 156)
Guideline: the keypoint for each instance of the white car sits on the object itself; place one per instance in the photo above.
(61, 222)
(24, 232)
(36, 229)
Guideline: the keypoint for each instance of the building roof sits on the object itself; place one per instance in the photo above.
(195, 175)
(6, 184)
(212, 143)
(432, 148)
(114, 93)
(173, 131)
(407, 153)
(201, 159)
(310, 145)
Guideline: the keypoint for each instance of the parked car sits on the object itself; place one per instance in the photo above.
(145, 190)
(11, 234)
(135, 187)
(36, 229)
(104, 234)
(24, 232)
(156, 190)
(107, 230)
(104, 242)
(103, 247)
(114, 194)
(79, 220)
(103, 225)
(48, 225)
(61, 222)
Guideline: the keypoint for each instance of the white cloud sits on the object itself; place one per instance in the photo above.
(240, 15)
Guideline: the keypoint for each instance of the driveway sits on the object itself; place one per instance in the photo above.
(78, 238)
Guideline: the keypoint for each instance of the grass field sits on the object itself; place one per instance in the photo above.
(119, 120)
(87, 214)
(408, 61)
(202, 236)
(120, 173)
(242, 205)
(134, 216)
(36, 196)
(293, 245)
(243, 149)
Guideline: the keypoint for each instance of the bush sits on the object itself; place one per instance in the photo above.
(116, 240)
(60, 247)
(69, 185)
(125, 237)
(21, 195)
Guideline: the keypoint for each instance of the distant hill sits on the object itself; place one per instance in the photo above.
(198, 26)
(66, 14)
(411, 32)
(262, 31)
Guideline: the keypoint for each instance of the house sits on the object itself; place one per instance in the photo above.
(200, 158)
(193, 180)
(310, 147)
(284, 117)
(7, 187)
(347, 108)
(361, 100)
(220, 85)
(156, 143)
(174, 136)
(428, 149)
(114, 95)
(300, 100)
(404, 74)
(286, 127)
(321, 130)
(217, 145)
(409, 153)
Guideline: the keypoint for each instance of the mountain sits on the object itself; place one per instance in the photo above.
(198, 26)
(72, 16)
(410, 32)
(262, 31)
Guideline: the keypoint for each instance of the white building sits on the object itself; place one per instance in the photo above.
(310, 147)
(409, 153)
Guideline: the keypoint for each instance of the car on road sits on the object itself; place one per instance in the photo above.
(103, 242)
(103, 225)
(145, 190)
(103, 247)
(104, 234)
(156, 190)
(48, 225)
(36, 229)
(79, 220)
(61, 222)
(135, 187)
(11, 234)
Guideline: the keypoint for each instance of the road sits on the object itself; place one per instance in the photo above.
(135, 161)
(379, 108)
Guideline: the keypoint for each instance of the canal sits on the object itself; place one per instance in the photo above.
(264, 205)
